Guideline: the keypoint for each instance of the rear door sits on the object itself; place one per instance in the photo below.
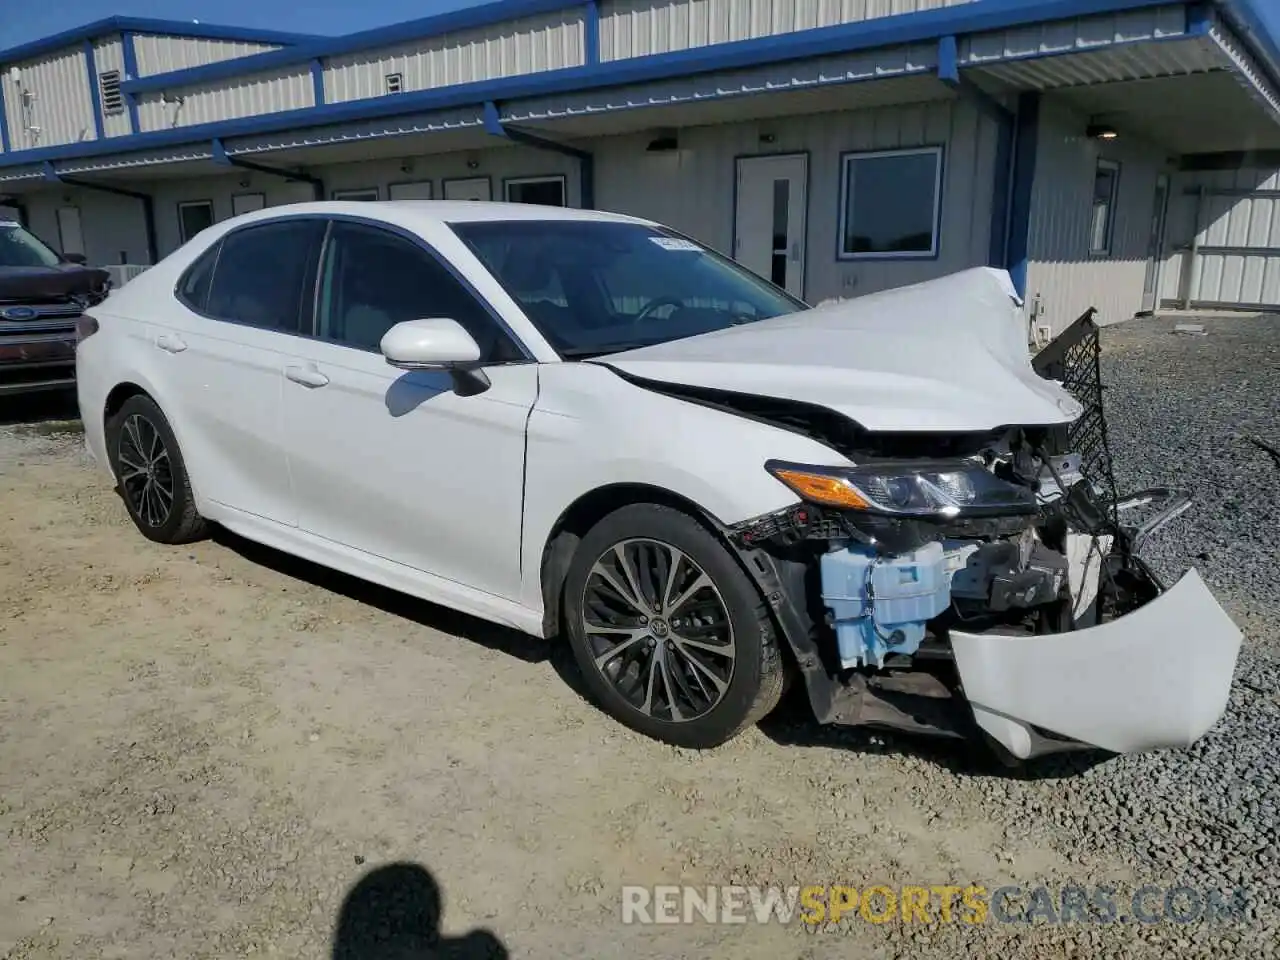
(246, 304)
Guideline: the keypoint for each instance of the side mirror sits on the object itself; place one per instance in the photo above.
(429, 345)
(78, 258)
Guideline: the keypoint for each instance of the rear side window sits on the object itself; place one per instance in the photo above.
(193, 288)
(264, 275)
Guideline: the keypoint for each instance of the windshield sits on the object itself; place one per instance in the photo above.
(18, 248)
(595, 287)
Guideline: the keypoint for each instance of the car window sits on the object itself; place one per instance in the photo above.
(193, 288)
(261, 276)
(20, 248)
(598, 287)
(373, 279)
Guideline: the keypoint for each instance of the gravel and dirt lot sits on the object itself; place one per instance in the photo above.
(204, 750)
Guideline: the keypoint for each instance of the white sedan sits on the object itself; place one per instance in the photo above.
(581, 424)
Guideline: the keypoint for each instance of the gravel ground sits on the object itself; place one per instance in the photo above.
(217, 751)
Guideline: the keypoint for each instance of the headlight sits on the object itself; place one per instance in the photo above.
(938, 490)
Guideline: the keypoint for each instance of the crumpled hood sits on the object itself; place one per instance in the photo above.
(946, 355)
(32, 284)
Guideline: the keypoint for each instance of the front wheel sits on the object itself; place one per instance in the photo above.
(672, 637)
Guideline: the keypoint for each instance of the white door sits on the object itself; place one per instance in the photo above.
(420, 190)
(405, 466)
(475, 188)
(70, 235)
(1155, 244)
(225, 356)
(769, 225)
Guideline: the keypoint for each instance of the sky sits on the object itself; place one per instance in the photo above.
(23, 20)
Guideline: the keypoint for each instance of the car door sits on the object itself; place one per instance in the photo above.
(401, 465)
(225, 355)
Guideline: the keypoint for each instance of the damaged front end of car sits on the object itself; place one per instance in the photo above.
(990, 583)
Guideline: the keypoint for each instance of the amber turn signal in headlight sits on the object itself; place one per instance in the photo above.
(822, 488)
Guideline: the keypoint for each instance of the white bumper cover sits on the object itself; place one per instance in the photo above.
(1158, 677)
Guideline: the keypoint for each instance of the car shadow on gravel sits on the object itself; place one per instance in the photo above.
(393, 913)
(46, 412)
(492, 636)
(792, 725)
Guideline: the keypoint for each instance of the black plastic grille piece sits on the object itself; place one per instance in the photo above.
(1075, 359)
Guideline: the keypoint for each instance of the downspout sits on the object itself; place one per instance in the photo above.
(148, 205)
(586, 160)
(1022, 183)
(949, 74)
(221, 156)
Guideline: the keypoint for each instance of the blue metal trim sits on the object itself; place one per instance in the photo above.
(1026, 143)
(173, 28)
(130, 70)
(949, 60)
(317, 81)
(1000, 190)
(4, 121)
(95, 93)
(220, 156)
(487, 14)
(919, 27)
(493, 120)
(591, 32)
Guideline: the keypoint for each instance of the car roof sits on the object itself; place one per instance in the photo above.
(438, 211)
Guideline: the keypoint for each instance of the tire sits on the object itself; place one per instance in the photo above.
(151, 473)
(693, 673)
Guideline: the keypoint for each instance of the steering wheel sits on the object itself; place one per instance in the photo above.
(653, 305)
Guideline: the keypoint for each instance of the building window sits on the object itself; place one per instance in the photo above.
(395, 82)
(890, 203)
(1102, 219)
(545, 191)
(363, 193)
(194, 216)
(109, 90)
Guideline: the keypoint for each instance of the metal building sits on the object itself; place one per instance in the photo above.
(1122, 154)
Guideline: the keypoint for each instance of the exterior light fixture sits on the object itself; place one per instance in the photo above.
(1102, 131)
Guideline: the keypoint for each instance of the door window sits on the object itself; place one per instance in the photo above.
(373, 279)
(264, 273)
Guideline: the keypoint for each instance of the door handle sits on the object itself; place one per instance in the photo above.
(307, 376)
(795, 252)
(170, 343)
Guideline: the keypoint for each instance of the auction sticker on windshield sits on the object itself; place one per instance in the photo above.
(676, 243)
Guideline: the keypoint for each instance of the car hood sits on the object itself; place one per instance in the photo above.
(946, 355)
(33, 284)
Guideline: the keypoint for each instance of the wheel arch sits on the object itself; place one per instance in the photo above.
(586, 511)
(132, 385)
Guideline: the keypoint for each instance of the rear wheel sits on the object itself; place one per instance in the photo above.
(672, 637)
(151, 473)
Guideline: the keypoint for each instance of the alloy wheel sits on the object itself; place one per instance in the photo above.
(146, 472)
(658, 629)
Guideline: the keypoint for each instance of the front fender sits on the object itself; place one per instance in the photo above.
(590, 429)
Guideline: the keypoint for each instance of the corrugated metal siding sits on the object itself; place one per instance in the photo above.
(775, 78)
(529, 45)
(1072, 36)
(440, 121)
(158, 53)
(1241, 211)
(108, 54)
(289, 88)
(61, 108)
(1061, 273)
(692, 189)
(636, 28)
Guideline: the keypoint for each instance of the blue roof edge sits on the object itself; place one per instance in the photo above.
(177, 28)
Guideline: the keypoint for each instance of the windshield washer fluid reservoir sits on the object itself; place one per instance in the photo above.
(880, 604)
